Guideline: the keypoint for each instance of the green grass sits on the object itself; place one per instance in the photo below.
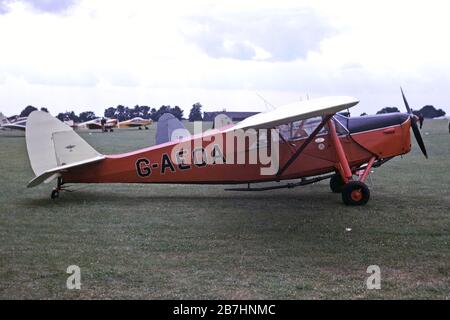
(193, 242)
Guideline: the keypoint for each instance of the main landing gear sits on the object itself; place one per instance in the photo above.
(336, 183)
(354, 192)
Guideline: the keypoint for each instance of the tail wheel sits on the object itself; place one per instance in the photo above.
(355, 193)
(336, 183)
(55, 194)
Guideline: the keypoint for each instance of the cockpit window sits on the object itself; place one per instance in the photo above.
(301, 129)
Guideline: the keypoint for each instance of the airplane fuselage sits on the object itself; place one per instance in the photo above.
(157, 165)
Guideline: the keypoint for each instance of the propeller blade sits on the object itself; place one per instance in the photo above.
(418, 136)
(414, 126)
(406, 102)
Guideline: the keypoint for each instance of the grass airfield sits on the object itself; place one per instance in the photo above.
(200, 242)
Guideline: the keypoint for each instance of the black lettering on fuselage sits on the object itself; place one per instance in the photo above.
(166, 163)
(195, 155)
(180, 161)
(143, 167)
(217, 155)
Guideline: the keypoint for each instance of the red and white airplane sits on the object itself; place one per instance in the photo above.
(308, 140)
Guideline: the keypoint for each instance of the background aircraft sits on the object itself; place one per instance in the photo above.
(13, 123)
(136, 122)
(97, 124)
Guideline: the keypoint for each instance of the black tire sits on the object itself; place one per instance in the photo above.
(55, 194)
(140, 128)
(355, 193)
(146, 128)
(336, 183)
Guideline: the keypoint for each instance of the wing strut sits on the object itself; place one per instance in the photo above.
(304, 145)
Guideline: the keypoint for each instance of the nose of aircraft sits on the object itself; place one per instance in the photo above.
(367, 123)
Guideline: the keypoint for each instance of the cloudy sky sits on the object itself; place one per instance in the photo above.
(93, 54)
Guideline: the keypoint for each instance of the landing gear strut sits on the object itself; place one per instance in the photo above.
(354, 192)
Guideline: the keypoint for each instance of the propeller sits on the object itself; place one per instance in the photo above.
(414, 126)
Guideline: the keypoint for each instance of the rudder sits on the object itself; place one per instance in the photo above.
(52, 144)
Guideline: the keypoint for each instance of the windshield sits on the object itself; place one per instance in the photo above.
(341, 124)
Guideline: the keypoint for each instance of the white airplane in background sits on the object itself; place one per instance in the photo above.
(13, 123)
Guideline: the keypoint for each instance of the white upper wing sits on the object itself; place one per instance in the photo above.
(297, 111)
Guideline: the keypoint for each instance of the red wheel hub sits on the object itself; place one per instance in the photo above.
(356, 195)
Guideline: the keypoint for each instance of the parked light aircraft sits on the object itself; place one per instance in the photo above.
(314, 142)
(13, 123)
(136, 122)
(96, 124)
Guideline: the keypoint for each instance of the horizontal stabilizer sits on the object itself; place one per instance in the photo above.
(52, 174)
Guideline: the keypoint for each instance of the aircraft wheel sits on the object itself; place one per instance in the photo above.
(336, 183)
(355, 193)
(140, 128)
(55, 194)
(111, 130)
(146, 128)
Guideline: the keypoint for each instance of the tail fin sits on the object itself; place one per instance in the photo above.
(170, 128)
(222, 120)
(53, 146)
(3, 119)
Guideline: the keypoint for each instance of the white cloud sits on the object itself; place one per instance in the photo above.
(285, 35)
(101, 53)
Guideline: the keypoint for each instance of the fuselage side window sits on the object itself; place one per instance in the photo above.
(301, 129)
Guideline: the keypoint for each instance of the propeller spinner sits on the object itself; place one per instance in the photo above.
(414, 126)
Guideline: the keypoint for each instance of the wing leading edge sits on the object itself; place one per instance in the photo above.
(297, 111)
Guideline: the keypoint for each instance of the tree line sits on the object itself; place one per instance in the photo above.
(427, 111)
(123, 113)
